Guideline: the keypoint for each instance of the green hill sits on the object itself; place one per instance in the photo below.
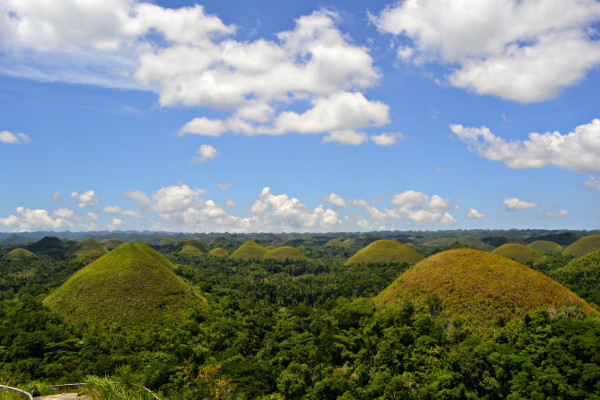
(110, 244)
(192, 242)
(284, 253)
(519, 253)
(249, 250)
(385, 251)
(545, 247)
(18, 254)
(478, 287)
(582, 275)
(218, 241)
(167, 241)
(191, 251)
(48, 245)
(583, 246)
(88, 249)
(132, 285)
(219, 252)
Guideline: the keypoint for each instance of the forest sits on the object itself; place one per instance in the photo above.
(291, 327)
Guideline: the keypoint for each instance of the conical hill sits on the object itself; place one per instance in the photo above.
(219, 252)
(519, 253)
(110, 244)
(89, 248)
(582, 275)
(249, 250)
(583, 246)
(132, 285)
(194, 243)
(545, 247)
(284, 253)
(18, 254)
(385, 251)
(477, 287)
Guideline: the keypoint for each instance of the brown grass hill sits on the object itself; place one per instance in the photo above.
(545, 247)
(284, 253)
(110, 244)
(219, 252)
(385, 251)
(582, 275)
(249, 250)
(477, 287)
(133, 285)
(18, 254)
(519, 253)
(89, 249)
(583, 246)
(192, 242)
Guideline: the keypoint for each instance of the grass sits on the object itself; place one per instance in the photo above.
(194, 243)
(519, 253)
(284, 253)
(131, 285)
(385, 251)
(219, 252)
(583, 246)
(110, 244)
(191, 251)
(89, 248)
(582, 275)
(545, 247)
(249, 250)
(478, 287)
(18, 254)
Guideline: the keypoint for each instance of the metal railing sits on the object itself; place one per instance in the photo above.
(17, 390)
(79, 384)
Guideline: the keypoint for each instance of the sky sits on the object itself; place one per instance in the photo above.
(299, 116)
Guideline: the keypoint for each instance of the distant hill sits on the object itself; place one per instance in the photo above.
(110, 244)
(18, 254)
(191, 251)
(249, 250)
(519, 252)
(583, 246)
(89, 249)
(132, 285)
(48, 245)
(194, 243)
(385, 251)
(477, 287)
(545, 247)
(582, 275)
(219, 252)
(284, 253)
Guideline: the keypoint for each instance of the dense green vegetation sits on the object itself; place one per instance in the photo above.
(307, 329)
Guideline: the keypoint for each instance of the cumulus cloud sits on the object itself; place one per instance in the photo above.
(7, 137)
(578, 151)
(335, 200)
(139, 196)
(308, 80)
(121, 211)
(421, 208)
(26, 219)
(526, 51)
(86, 199)
(346, 137)
(387, 139)
(207, 154)
(474, 214)
(554, 214)
(514, 204)
(115, 224)
(592, 183)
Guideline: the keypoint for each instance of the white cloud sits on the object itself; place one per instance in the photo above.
(421, 208)
(577, 151)
(346, 137)
(523, 50)
(223, 186)
(86, 199)
(207, 153)
(63, 213)
(387, 139)
(474, 214)
(7, 137)
(592, 183)
(115, 224)
(120, 211)
(514, 204)
(204, 126)
(553, 214)
(229, 203)
(139, 196)
(57, 196)
(37, 220)
(335, 200)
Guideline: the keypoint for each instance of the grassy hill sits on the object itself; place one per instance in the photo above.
(18, 254)
(194, 243)
(132, 285)
(477, 287)
(89, 249)
(110, 244)
(519, 253)
(191, 251)
(284, 253)
(385, 251)
(49, 245)
(249, 250)
(583, 246)
(582, 275)
(545, 247)
(219, 252)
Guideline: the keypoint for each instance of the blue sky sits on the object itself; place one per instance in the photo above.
(300, 116)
